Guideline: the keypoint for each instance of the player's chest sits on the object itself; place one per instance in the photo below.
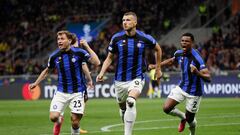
(130, 45)
(67, 60)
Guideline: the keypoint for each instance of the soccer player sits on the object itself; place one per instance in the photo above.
(129, 45)
(68, 62)
(194, 72)
(89, 83)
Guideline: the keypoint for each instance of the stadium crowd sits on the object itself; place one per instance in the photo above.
(30, 25)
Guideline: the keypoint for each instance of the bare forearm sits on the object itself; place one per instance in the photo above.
(106, 64)
(167, 62)
(95, 60)
(158, 58)
(204, 75)
(87, 73)
(42, 76)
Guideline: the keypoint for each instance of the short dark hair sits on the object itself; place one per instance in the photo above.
(189, 35)
(131, 13)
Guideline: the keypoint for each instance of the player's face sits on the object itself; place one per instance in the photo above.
(186, 44)
(63, 42)
(129, 22)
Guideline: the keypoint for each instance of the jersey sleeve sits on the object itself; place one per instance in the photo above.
(51, 63)
(150, 41)
(86, 56)
(177, 55)
(112, 46)
(201, 63)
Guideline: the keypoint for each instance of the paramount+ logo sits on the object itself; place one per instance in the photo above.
(27, 95)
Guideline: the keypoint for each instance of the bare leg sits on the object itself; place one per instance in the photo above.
(75, 118)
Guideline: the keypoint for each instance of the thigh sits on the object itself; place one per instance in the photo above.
(77, 104)
(136, 84)
(193, 103)
(177, 94)
(121, 91)
(59, 102)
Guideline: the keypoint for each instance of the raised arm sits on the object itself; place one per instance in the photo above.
(94, 58)
(105, 65)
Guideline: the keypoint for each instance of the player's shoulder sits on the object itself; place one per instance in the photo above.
(144, 35)
(118, 34)
(178, 53)
(55, 53)
(196, 54)
(78, 50)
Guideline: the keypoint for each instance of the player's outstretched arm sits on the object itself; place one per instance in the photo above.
(41, 77)
(105, 65)
(167, 62)
(94, 58)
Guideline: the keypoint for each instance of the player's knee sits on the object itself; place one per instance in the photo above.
(53, 118)
(131, 102)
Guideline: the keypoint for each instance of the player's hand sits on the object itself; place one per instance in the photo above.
(158, 75)
(90, 85)
(193, 68)
(84, 43)
(31, 87)
(99, 78)
(151, 66)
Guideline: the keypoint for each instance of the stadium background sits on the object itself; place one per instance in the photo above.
(28, 35)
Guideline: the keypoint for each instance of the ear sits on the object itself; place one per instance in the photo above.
(69, 41)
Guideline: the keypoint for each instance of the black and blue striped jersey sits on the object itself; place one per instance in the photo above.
(131, 63)
(190, 83)
(69, 68)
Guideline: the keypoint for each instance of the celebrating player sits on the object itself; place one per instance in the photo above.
(130, 45)
(68, 62)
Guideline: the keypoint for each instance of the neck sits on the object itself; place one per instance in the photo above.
(67, 49)
(131, 32)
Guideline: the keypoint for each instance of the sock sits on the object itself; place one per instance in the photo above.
(59, 120)
(130, 116)
(178, 113)
(75, 131)
(192, 127)
(121, 113)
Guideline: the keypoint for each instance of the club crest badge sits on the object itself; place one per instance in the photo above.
(73, 59)
(139, 45)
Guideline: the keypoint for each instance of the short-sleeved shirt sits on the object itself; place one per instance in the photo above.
(190, 83)
(69, 68)
(131, 62)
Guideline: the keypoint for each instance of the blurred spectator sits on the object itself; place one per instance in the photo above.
(29, 28)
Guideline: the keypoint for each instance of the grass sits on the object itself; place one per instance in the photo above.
(217, 116)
